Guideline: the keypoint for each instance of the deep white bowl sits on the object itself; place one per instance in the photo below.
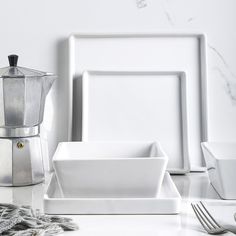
(109, 169)
(221, 165)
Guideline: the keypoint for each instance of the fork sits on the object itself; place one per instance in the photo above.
(207, 221)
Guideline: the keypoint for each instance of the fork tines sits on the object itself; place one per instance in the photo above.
(206, 219)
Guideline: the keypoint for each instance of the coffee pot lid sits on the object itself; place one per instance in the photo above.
(14, 71)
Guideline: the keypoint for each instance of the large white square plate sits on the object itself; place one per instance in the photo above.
(138, 106)
(165, 51)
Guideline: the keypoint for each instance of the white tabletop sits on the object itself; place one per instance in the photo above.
(192, 187)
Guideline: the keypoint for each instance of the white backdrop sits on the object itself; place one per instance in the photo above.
(38, 30)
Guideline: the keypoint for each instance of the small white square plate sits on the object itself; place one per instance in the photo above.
(167, 202)
(138, 106)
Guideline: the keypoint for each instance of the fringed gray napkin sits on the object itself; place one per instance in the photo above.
(23, 221)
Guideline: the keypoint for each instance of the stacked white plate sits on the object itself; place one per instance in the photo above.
(138, 106)
(142, 87)
(130, 90)
(111, 178)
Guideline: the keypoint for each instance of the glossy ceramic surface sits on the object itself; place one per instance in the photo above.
(134, 105)
(221, 165)
(110, 169)
(167, 202)
(167, 51)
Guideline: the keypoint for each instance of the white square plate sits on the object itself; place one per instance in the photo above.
(138, 106)
(167, 202)
(166, 51)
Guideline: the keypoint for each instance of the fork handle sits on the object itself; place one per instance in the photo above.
(233, 231)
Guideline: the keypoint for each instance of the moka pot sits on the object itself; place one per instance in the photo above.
(22, 98)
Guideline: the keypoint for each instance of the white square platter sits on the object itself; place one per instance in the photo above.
(167, 202)
(164, 51)
(138, 106)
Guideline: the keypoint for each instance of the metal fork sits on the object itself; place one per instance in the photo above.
(207, 221)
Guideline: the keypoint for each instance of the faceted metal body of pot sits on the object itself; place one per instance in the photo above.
(21, 161)
(22, 99)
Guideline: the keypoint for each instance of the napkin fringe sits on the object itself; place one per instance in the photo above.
(24, 221)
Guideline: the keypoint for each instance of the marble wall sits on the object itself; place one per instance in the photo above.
(37, 30)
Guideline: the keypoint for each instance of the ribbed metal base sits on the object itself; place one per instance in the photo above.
(21, 132)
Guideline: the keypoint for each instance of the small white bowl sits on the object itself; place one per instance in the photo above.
(110, 169)
(221, 165)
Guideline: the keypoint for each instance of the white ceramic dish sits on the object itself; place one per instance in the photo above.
(221, 165)
(167, 202)
(165, 51)
(109, 169)
(124, 106)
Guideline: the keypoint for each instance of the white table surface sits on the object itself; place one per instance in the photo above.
(192, 187)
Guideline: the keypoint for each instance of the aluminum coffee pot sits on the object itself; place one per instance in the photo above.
(22, 98)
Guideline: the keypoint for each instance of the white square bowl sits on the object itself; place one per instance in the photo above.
(109, 169)
(221, 165)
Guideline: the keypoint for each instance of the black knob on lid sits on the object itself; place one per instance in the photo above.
(13, 60)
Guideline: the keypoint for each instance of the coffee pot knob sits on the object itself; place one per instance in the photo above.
(13, 60)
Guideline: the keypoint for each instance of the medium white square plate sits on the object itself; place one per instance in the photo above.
(167, 202)
(138, 106)
(165, 51)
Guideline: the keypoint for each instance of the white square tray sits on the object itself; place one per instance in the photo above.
(167, 202)
(138, 106)
(165, 51)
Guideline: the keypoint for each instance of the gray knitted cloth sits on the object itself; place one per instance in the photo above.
(23, 221)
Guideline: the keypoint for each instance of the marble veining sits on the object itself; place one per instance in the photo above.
(229, 77)
(222, 59)
(168, 14)
(190, 19)
(230, 87)
(141, 3)
(169, 17)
